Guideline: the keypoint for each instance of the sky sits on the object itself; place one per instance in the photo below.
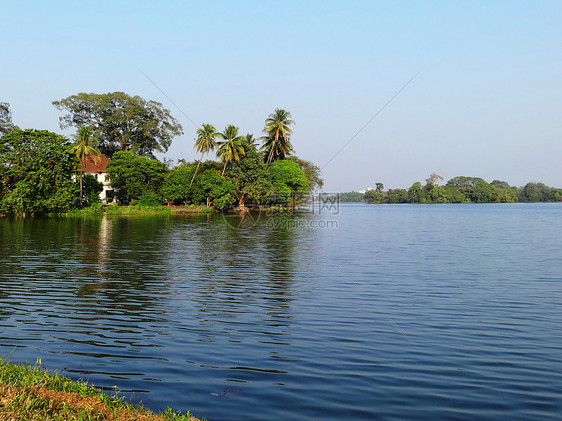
(406, 88)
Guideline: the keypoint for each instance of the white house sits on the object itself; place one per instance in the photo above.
(96, 168)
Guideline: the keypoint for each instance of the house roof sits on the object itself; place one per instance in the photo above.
(98, 165)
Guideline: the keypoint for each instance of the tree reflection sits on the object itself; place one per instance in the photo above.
(239, 271)
(121, 262)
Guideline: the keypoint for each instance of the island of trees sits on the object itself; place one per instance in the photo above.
(40, 170)
(457, 190)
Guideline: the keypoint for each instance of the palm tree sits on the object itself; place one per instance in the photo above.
(205, 142)
(84, 148)
(276, 143)
(231, 147)
(249, 139)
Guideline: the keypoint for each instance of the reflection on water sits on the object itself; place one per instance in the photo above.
(401, 312)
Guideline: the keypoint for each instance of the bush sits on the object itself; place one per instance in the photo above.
(223, 202)
(91, 189)
(150, 199)
(113, 208)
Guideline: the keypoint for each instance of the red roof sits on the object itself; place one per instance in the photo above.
(98, 165)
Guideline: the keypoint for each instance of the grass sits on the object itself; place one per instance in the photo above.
(137, 210)
(179, 210)
(32, 393)
(99, 209)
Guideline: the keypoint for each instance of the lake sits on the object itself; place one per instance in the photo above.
(347, 312)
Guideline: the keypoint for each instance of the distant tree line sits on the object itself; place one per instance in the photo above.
(458, 190)
(38, 168)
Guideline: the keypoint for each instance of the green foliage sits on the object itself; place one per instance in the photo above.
(121, 122)
(84, 144)
(506, 195)
(231, 147)
(417, 194)
(538, 192)
(277, 139)
(150, 199)
(374, 196)
(177, 186)
(137, 210)
(36, 167)
(446, 194)
(352, 197)
(205, 142)
(210, 186)
(93, 209)
(92, 189)
(312, 173)
(112, 209)
(132, 175)
(459, 190)
(249, 176)
(500, 184)
(288, 180)
(224, 202)
(397, 196)
(84, 148)
(475, 189)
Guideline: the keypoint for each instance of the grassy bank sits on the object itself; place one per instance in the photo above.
(99, 209)
(31, 393)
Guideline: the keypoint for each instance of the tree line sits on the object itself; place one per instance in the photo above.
(38, 168)
(459, 189)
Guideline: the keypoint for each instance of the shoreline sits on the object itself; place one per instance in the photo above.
(30, 392)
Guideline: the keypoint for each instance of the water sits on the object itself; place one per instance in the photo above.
(388, 311)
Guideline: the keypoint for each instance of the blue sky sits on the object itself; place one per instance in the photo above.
(487, 101)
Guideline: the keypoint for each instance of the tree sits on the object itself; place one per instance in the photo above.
(6, 125)
(276, 142)
(288, 180)
(500, 184)
(312, 173)
(177, 187)
(121, 122)
(432, 180)
(249, 176)
(36, 168)
(205, 143)
(538, 192)
(231, 148)
(506, 195)
(380, 187)
(249, 139)
(351, 197)
(132, 175)
(446, 194)
(92, 189)
(212, 188)
(416, 193)
(84, 148)
(397, 196)
(475, 189)
(374, 196)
